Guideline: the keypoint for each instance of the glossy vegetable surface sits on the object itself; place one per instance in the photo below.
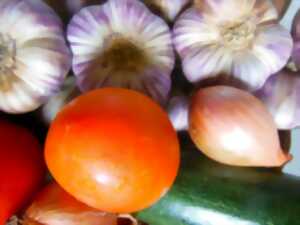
(21, 168)
(113, 149)
(207, 192)
(53, 206)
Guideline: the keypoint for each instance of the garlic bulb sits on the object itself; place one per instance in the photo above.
(233, 127)
(178, 112)
(122, 44)
(34, 57)
(281, 95)
(239, 38)
(295, 59)
(67, 93)
(54, 206)
(169, 9)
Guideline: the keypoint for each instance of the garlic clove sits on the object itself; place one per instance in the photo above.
(67, 93)
(178, 112)
(210, 43)
(168, 9)
(35, 57)
(273, 45)
(296, 37)
(211, 9)
(233, 127)
(270, 52)
(135, 53)
(281, 96)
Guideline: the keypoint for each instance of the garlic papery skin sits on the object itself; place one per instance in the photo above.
(233, 127)
(34, 57)
(68, 92)
(295, 59)
(122, 44)
(239, 38)
(178, 112)
(281, 96)
(168, 9)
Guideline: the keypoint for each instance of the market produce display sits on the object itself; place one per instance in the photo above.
(164, 112)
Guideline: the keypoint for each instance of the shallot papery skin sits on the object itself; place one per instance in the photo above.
(281, 95)
(54, 206)
(233, 127)
(34, 56)
(122, 44)
(239, 38)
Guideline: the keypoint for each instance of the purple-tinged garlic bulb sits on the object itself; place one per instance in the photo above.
(34, 57)
(168, 9)
(240, 38)
(178, 108)
(122, 44)
(295, 59)
(281, 95)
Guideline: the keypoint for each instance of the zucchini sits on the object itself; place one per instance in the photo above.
(208, 193)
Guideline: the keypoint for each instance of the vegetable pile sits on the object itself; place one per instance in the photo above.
(164, 111)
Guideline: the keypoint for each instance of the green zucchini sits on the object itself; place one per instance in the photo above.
(208, 193)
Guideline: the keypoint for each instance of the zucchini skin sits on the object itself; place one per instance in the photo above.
(208, 193)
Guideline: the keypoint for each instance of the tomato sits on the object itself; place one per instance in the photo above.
(113, 149)
(21, 168)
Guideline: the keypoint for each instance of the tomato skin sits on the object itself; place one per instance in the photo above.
(113, 149)
(22, 168)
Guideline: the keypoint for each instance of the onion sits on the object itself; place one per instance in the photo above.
(53, 206)
(233, 127)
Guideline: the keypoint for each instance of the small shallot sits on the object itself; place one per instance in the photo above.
(233, 127)
(53, 206)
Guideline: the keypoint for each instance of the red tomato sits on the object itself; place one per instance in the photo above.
(113, 149)
(22, 168)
